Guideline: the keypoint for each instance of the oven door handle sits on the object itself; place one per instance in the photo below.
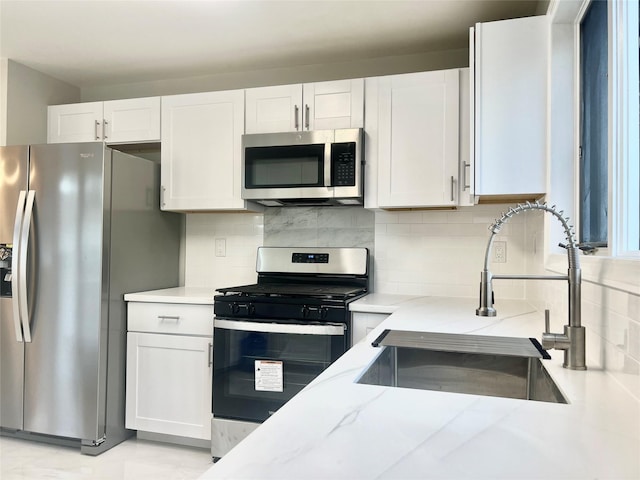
(306, 329)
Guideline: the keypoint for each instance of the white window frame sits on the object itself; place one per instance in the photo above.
(624, 226)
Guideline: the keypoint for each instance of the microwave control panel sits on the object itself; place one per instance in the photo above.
(343, 164)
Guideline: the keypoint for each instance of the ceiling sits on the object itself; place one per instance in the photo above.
(92, 43)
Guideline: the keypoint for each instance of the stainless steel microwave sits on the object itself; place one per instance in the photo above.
(315, 168)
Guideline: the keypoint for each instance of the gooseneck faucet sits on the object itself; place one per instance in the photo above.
(572, 341)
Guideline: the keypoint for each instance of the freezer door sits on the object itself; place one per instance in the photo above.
(13, 179)
(65, 372)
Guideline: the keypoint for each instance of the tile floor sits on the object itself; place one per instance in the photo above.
(133, 459)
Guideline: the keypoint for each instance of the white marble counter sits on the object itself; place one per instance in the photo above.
(338, 429)
(381, 303)
(197, 295)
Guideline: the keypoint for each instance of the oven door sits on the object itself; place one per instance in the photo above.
(258, 366)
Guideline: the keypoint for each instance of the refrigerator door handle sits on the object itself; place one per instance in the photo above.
(22, 272)
(15, 257)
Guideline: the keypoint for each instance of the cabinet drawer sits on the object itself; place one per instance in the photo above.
(174, 318)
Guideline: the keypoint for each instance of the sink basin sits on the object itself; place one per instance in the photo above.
(479, 365)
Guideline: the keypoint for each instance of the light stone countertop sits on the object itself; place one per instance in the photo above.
(197, 295)
(338, 429)
(381, 302)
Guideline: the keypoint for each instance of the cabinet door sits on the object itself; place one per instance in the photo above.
(510, 90)
(132, 120)
(274, 109)
(201, 151)
(418, 139)
(76, 122)
(364, 323)
(169, 380)
(331, 105)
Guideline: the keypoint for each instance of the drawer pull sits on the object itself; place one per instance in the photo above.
(169, 317)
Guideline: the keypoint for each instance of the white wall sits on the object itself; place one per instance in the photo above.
(610, 313)
(242, 233)
(27, 93)
(280, 76)
(442, 252)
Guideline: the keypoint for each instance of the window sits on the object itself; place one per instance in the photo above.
(594, 125)
(609, 171)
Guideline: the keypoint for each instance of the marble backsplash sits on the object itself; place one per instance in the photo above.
(319, 226)
(431, 252)
(243, 233)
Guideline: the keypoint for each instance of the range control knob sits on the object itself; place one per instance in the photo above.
(315, 313)
(243, 308)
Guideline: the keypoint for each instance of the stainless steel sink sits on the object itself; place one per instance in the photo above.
(480, 365)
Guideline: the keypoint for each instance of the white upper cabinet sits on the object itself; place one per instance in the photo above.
(273, 109)
(201, 151)
(309, 106)
(132, 120)
(76, 122)
(331, 105)
(412, 140)
(509, 103)
(116, 121)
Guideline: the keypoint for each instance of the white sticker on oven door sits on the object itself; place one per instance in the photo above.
(269, 376)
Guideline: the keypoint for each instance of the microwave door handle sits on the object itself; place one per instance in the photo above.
(15, 265)
(24, 242)
(327, 164)
(304, 329)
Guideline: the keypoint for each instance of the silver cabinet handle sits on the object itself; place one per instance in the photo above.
(306, 116)
(15, 256)
(104, 129)
(95, 127)
(210, 353)
(296, 112)
(162, 190)
(169, 317)
(452, 187)
(464, 175)
(22, 270)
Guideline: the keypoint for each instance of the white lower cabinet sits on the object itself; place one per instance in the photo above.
(169, 369)
(363, 323)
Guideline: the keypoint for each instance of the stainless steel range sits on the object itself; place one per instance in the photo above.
(274, 337)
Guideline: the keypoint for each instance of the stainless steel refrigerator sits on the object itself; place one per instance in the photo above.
(80, 225)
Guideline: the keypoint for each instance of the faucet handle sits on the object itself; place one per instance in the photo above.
(547, 322)
(550, 340)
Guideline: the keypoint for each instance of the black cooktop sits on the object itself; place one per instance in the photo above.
(296, 290)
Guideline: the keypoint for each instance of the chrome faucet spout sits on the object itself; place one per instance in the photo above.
(572, 341)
